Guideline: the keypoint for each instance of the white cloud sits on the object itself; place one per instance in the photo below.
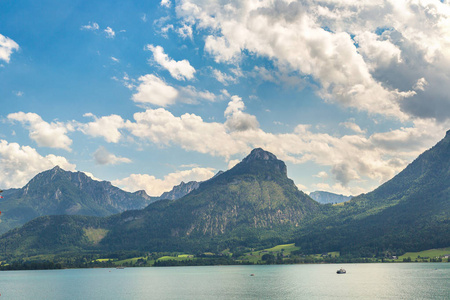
(109, 32)
(378, 53)
(7, 47)
(321, 174)
(153, 90)
(352, 126)
(53, 135)
(180, 70)
(190, 94)
(106, 127)
(355, 160)
(185, 31)
(104, 157)
(302, 187)
(114, 59)
(89, 174)
(237, 120)
(165, 3)
(155, 186)
(223, 78)
(421, 84)
(90, 26)
(188, 131)
(370, 56)
(18, 164)
(232, 163)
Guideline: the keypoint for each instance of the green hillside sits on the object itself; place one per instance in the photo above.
(411, 212)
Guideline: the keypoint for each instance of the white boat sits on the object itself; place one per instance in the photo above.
(341, 271)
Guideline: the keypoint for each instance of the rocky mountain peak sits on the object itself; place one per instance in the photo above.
(259, 154)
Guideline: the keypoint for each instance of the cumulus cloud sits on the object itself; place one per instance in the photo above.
(153, 90)
(237, 120)
(180, 70)
(109, 32)
(104, 157)
(106, 127)
(369, 56)
(53, 135)
(344, 173)
(7, 47)
(155, 186)
(188, 131)
(352, 158)
(18, 164)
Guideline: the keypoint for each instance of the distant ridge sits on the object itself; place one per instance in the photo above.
(329, 198)
(57, 192)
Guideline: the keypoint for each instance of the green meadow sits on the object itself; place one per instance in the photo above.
(426, 255)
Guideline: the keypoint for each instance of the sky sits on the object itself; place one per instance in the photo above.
(147, 94)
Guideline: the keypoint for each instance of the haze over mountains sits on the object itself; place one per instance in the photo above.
(255, 204)
(328, 198)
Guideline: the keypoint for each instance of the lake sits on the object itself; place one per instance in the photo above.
(362, 281)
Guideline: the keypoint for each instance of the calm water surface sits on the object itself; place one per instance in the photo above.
(362, 281)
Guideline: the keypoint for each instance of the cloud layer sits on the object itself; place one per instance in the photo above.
(389, 57)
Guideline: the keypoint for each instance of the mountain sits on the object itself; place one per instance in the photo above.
(410, 212)
(251, 204)
(180, 190)
(327, 197)
(56, 192)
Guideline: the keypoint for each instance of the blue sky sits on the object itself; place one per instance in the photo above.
(149, 94)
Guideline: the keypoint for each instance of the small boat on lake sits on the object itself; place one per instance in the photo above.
(341, 271)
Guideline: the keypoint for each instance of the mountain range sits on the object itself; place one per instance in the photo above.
(328, 198)
(59, 192)
(255, 204)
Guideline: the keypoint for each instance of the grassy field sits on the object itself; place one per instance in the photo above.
(255, 256)
(128, 261)
(180, 257)
(432, 253)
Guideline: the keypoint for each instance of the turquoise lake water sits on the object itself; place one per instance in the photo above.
(362, 281)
